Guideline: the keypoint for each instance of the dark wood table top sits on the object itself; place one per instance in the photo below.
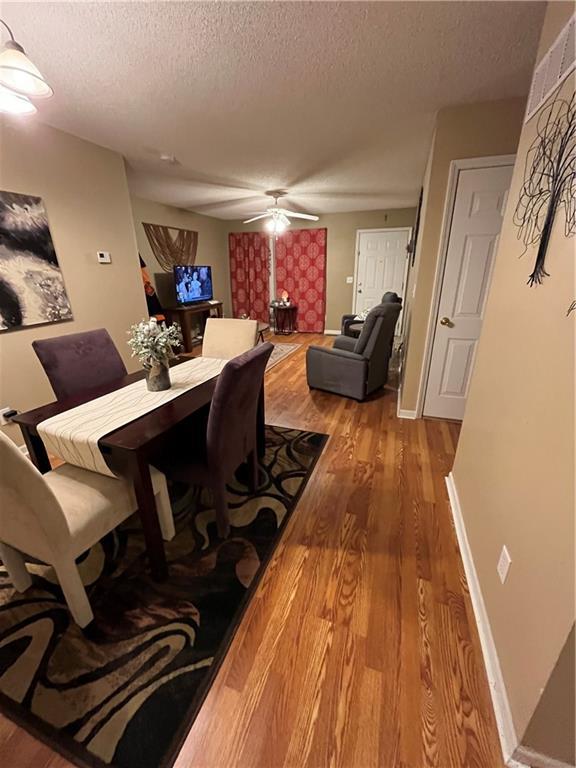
(138, 433)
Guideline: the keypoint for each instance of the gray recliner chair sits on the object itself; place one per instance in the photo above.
(348, 320)
(356, 367)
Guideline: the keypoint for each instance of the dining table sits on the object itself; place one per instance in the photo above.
(130, 449)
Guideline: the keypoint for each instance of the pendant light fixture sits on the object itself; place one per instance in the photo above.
(20, 79)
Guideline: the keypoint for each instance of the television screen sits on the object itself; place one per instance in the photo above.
(192, 284)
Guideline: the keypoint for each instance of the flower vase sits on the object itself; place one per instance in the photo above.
(158, 376)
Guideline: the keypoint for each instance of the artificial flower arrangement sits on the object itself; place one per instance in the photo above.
(154, 344)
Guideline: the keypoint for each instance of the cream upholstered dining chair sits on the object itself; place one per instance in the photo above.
(226, 337)
(57, 516)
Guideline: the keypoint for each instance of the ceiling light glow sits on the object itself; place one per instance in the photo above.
(12, 103)
(275, 226)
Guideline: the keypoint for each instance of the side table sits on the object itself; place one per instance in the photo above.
(355, 329)
(285, 319)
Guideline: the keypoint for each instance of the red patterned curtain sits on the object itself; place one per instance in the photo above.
(249, 274)
(301, 272)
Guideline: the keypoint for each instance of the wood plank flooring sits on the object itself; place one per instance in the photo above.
(359, 649)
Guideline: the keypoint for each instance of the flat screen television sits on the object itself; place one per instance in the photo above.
(193, 284)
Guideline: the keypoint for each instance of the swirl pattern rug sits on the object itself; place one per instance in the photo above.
(125, 691)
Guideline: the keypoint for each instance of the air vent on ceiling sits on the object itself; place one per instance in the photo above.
(555, 66)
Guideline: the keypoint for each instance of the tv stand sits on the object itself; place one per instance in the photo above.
(183, 315)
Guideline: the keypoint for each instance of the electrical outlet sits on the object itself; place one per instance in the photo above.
(349, 280)
(503, 564)
(3, 412)
(104, 257)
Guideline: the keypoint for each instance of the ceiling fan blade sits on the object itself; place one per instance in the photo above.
(295, 215)
(285, 220)
(260, 216)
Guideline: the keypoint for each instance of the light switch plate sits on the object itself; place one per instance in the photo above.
(104, 257)
(503, 564)
(350, 280)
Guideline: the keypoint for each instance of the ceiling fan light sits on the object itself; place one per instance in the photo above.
(12, 103)
(275, 226)
(19, 74)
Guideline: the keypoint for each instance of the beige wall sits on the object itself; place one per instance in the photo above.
(340, 250)
(86, 196)
(470, 130)
(212, 241)
(514, 468)
(551, 727)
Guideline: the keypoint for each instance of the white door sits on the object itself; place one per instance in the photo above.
(479, 205)
(381, 266)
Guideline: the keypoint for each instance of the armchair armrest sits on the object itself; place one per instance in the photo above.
(337, 370)
(345, 342)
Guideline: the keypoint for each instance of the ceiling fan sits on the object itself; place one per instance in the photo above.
(278, 218)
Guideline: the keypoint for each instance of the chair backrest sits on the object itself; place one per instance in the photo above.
(378, 330)
(231, 432)
(391, 297)
(79, 361)
(376, 341)
(226, 337)
(31, 519)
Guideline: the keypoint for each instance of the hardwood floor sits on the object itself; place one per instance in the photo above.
(360, 647)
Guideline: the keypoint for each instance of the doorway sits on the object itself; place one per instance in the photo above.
(381, 265)
(473, 218)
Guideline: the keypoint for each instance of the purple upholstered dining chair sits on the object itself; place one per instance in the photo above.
(230, 437)
(79, 361)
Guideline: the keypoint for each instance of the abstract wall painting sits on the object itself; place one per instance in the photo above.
(32, 289)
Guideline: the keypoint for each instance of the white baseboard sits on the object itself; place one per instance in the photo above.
(332, 333)
(530, 757)
(504, 722)
(402, 413)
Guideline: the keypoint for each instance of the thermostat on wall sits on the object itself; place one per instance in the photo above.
(104, 257)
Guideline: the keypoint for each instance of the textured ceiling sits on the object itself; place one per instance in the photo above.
(333, 101)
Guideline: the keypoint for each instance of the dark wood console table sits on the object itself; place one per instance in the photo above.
(184, 316)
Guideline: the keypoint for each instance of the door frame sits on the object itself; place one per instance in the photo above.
(357, 255)
(465, 164)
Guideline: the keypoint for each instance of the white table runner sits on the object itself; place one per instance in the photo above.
(73, 435)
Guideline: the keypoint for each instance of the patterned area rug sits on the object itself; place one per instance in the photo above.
(126, 690)
(280, 352)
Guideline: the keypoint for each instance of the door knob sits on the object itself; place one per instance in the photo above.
(446, 321)
(359, 290)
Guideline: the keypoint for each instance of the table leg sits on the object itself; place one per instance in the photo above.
(261, 425)
(36, 450)
(149, 516)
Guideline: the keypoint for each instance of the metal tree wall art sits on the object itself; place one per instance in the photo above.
(549, 181)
